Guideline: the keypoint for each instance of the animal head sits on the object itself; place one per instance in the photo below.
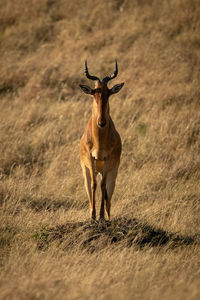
(101, 94)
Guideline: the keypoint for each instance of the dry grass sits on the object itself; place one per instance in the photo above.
(48, 247)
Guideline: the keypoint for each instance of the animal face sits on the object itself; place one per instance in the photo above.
(101, 94)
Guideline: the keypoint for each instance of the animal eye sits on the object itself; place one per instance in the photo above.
(98, 90)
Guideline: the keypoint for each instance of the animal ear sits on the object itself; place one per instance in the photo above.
(116, 88)
(86, 89)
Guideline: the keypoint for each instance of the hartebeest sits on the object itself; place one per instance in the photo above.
(100, 145)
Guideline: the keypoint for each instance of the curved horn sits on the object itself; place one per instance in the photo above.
(108, 78)
(88, 75)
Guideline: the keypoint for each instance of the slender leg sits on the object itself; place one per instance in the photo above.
(110, 186)
(93, 188)
(103, 191)
(87, 181)
(90, 186)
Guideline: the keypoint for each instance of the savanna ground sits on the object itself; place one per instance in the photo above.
(48, 247)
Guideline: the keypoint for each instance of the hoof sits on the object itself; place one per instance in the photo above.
(93, 218)
(93, 215)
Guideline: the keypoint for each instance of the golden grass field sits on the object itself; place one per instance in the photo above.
(49, 248)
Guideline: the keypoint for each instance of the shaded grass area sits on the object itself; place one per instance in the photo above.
(96, 235)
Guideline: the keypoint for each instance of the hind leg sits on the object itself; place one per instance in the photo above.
(104, 196)
(110, 186)
(107, 188)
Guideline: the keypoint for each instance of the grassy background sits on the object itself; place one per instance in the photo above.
(48, 248)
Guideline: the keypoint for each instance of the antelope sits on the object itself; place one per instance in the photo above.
(100, 145)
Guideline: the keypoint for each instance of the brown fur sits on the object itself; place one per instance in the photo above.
(100, 150)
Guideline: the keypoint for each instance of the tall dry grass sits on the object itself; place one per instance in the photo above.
(48, 248)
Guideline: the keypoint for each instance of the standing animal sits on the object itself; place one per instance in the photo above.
(100, 145)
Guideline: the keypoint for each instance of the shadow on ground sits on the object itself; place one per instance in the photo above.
(96, 235)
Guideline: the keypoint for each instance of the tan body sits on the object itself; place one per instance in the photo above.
(100, 149)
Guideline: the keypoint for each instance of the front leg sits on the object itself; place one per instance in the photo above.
(87, 164)
(93, 188)
(104, 196)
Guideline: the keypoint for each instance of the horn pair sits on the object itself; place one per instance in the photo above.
(106, 79)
